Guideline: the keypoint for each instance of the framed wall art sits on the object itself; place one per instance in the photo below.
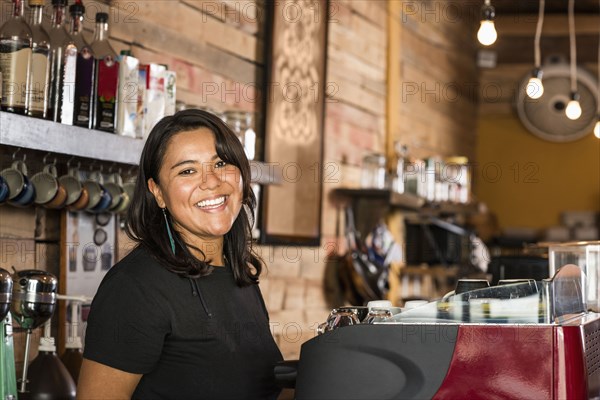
(294, 97)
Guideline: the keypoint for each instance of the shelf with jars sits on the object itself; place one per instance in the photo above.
(434, 186)
(407, 201)
(86, 97)
(38, 134)
(47, 136)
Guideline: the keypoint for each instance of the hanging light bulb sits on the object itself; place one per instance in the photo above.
(487, 34)
(597, 126)
(573, 109)
(535, 87)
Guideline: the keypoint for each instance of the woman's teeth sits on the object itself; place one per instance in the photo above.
(212, 203)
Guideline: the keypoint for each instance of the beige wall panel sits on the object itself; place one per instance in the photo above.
(372, 10)
(20, 253)
(337, 57)
(17, 222)
(358, 45)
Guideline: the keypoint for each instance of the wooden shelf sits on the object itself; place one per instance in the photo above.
(48, 136)
(407, 201)
(439, 271)
(42, 135)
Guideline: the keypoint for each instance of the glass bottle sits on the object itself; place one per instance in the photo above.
(377, 315)
(84, 77)
(15, 60)
(250, 138)
(73, 356)
(47, 376)
(400, 178)
(107, 77)
(39, 77)
(59, 41)
(236, 121)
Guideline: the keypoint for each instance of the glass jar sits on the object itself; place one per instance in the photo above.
(338, 318)
(585, 255)
(373, 171)
(377, 315)
(237, 122)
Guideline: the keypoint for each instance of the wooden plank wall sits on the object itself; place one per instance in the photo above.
(438, 79)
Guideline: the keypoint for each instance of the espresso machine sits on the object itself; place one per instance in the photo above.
(519, 340)
(8, 381)
(33, 303)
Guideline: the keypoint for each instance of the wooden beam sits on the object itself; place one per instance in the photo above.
(519, 49)
(394, 75)
(554, 25)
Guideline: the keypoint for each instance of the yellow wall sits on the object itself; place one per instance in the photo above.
(552, 177)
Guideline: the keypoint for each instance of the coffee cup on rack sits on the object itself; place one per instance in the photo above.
(99, 198)
(129, 187)
(84, 198)
(114, 185)
(48, 191)
(3, 190)
(73, 186)
(123, 204)
(21, 190)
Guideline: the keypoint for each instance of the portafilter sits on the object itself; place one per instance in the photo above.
(6, 286)
(33, 303)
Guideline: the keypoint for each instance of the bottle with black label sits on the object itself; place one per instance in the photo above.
(39, 77)
(84, 77)
(62, 60)
(15, 60)
(107, 77)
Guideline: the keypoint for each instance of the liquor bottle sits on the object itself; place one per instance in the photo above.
(39, 77)
(128, 93)
(47, 376)
(107, 77)
(15, 60)
(84, 77)
(60, 41)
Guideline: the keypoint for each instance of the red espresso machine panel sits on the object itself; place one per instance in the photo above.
(523, 340)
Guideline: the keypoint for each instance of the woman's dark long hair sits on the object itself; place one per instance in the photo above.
(146, 222)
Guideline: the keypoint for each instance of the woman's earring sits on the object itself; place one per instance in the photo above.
(164, 210)
(249, 214)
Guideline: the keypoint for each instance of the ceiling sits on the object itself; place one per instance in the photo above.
(516, 21)
(551, 7)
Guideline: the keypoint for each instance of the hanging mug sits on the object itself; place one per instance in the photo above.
(72, 185)
(115, 187)
(21, 190)
(99, 198)
(129, 187)
(3, 190)
(123, 204)
(48, 191)
(46, 186)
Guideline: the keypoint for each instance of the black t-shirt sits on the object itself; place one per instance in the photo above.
(147, 320)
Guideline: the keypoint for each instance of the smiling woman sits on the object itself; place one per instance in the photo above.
(202, 192)
(182, 316)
